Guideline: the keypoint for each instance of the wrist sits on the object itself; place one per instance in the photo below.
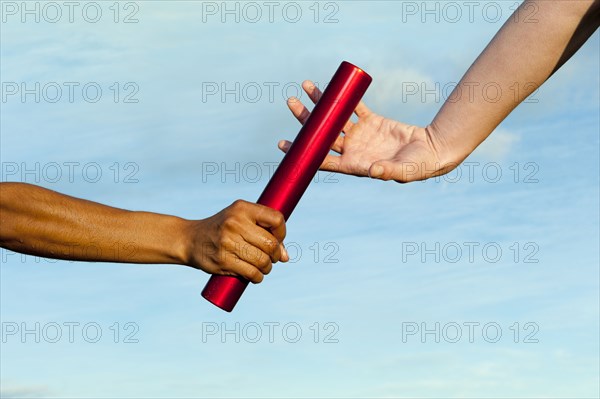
(183, 245)
(449, 150)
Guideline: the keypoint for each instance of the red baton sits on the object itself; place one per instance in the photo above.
(300, 163)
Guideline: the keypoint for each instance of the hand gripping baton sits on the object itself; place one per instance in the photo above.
(301, 163)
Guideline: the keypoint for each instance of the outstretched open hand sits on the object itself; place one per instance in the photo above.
(377, 147)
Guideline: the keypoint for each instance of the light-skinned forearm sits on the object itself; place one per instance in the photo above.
(519, 59)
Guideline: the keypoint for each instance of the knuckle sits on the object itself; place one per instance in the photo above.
(278, 218)
(238, 203)
(264, 261)
(267, 269)
(226, 243)
(239, 206)
(255, 275)
(271, 246)
(229, 223)
(240, 248)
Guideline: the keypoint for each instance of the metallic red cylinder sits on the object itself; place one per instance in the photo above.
(301, 163)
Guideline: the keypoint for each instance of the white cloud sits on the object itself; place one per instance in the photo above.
(10, 390)
(397, 85)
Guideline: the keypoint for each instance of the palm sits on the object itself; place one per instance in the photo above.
(401, 150)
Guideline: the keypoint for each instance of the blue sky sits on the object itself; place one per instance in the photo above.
(360, 276)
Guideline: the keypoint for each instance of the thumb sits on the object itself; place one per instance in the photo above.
(402, 172)
(284, 254)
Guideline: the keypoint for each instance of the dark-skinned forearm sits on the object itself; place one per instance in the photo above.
(42, 222)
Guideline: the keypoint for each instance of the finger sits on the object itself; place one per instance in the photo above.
(302, 113)
(362, 110)
(315, 95)
(244, 269)
(402, 172)
(284, 253)
(284, 145)
(348, 126)
(298, 109)
(272, 220)
(338, 145)
(331, 164)
(255, 256)
(260, 238)
(312, 90)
